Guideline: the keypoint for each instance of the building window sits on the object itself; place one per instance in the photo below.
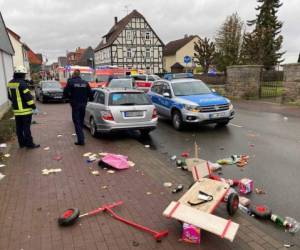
(129, 53)
(128, 35)
(148, 52)
(147, 35)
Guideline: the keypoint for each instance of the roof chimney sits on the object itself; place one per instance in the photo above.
(116, 19)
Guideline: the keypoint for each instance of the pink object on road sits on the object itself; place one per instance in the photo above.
(116, 161)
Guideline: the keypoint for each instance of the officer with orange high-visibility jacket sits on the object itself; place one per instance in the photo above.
(23, 106)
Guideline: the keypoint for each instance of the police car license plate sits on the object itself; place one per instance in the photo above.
(217, 115)
(133, 113)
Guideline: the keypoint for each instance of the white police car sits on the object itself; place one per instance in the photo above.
(187, 100)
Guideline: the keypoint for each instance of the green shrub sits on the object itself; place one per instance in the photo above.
(7, 127)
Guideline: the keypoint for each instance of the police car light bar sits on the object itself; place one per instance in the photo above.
(171, 76)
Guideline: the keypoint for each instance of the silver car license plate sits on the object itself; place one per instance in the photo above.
(133, 113)
(217, 115)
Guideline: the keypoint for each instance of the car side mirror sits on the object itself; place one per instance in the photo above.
(166, 94)
(213, 90)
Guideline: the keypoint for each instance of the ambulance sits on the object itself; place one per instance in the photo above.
(86, 74)
(103, 74)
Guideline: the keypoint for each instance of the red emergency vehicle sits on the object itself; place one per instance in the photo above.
(104, 73)
(86, 74)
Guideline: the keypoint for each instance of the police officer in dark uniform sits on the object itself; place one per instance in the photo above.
(23, 106)
(79, 92)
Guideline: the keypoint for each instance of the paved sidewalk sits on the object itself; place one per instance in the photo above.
(30, 202)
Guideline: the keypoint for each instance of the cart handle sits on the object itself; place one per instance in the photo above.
(103, 208)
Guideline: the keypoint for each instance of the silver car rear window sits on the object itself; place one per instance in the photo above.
(128, 98)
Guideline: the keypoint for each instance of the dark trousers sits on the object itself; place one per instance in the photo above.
(78, 113)
(23, 123)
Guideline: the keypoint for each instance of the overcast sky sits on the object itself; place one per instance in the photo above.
(52, 27)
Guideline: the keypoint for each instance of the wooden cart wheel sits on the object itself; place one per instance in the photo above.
(69, 217)
(232, 203)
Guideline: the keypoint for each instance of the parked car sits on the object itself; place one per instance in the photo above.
(120, 109)
(187, 100)
(120, 83)
(144, 82)
(49, 91)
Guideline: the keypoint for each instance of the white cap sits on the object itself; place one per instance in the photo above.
(20, 69)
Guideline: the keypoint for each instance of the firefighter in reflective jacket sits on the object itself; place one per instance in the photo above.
(79, 92)
(23, 106)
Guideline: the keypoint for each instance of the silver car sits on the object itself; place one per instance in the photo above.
(120, 83)
(120, 109)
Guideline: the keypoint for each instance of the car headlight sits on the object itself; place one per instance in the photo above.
(230, 106)
(193, 108)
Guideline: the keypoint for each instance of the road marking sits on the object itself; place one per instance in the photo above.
(235, 125)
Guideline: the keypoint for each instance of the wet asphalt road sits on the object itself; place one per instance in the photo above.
(270, 139)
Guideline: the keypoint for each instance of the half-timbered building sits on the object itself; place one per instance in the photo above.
(131, 43)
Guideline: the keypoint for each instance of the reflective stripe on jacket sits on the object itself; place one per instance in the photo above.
(20, 96)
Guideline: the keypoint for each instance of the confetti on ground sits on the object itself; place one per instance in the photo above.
(167, 184)
(50, 171)
(131, 164)
(46, 148)
(110, 171)
(1, 176)
(2, 165)
(87, 154)
(57, 157)
(103, 154)
(95, 172)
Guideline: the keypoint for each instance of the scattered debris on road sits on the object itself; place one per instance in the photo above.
(119, 162)
(2, 165)
(173, 158)
(6, 155)
(46, 148)
(95, 172)
(148, 193)
(57, 157)
(177, 189)
(3, 145)
(104, 187)
(259, 191)
(1, 176)
(50, 171)
(168, 184)
(111, 171)
(185, 154)
(288, 245)
(147, 146)
(59, 135)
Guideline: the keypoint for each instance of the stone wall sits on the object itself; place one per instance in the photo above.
(291, 83)
(243, 81)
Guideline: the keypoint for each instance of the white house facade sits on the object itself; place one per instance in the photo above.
(131, 43)
(6, 66)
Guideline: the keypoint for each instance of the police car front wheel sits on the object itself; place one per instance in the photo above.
(177, 120)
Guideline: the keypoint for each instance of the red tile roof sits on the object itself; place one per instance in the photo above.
(33, 58)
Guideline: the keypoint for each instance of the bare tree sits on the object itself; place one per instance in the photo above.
(204, 53)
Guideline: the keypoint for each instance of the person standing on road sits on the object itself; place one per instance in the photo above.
(23, 106)
(79, 92)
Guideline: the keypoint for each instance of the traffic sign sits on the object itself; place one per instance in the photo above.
(187, 59)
